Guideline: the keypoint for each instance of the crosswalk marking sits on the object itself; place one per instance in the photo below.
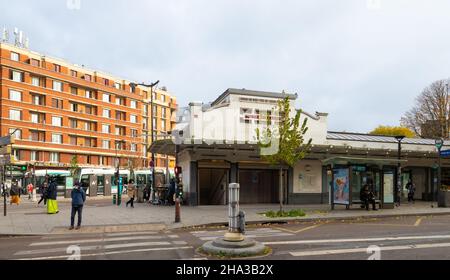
(96, 240)
(130, 233)
(112, 253)
(364, 250)
(259, 233)
(291, 242)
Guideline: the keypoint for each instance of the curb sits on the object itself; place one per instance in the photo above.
(307, 220)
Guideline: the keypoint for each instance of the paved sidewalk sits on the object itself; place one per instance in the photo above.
(101, 216)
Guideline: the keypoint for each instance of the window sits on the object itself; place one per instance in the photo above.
(105, 144)
(117, 86)
(74, 90)
(154, 96)
(34, 117)
(120, 130)
(15, 115)
(54, 157)
(120, 115)
(57, 86)
(90, 110)
(73, 140)
(163, 125)
(145, 109)
(87, 77)
(154, 124)
(163, 113)
(35, 81)
(57, 67)
(88, 94)
(133, 118)
(89, 161)
(119, 101)
(106, 82)
(133, 104)
(35, 156)
(106, 98)
(133, 147)
(35, 62)
(88, 142)
(17, 76)
(73, 123)
(57, 138)
(106, 128)
(15, 56)
(16, 154)
(74, 107)
(57, 103)
(17, 133)
(57, 121)
(15, 95)
(37, 99)
(154, 111)
(106, 113)
(73, 73)
(37, 136)
(134, 133)
(163, 98)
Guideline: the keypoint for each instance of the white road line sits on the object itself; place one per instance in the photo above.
(356, 240)
(130, 233)
(93, 248)
(179, 242)
(174, 236)
(112, 253)
(74, 242)
(364, 250)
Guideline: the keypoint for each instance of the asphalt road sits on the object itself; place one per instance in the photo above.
(408, 238)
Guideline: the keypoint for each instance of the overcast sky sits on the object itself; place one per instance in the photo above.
(363, 62)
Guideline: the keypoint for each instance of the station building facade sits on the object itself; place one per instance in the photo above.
(218, 146)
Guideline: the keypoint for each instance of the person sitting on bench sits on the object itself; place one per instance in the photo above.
(367, 196)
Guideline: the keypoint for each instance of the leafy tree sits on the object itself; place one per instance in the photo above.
(393, 131)
(430, 116)
(73, 165)
(282, 140)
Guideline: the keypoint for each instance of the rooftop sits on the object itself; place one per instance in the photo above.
(278, 95)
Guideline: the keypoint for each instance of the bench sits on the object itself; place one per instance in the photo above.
(357, 201)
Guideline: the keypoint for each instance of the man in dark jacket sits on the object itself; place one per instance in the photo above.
(52, 193)
(78, 199)
(367, 197)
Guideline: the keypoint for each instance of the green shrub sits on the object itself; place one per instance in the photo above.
(284, 214)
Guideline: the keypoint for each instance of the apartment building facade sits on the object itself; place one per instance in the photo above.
(57, 110)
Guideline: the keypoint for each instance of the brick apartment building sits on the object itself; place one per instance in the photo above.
(59, 110)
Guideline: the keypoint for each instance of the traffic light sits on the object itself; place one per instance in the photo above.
(178, 171)
(23, 168)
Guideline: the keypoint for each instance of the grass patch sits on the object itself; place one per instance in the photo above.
(285, 214)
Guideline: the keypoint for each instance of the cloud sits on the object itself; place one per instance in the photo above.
(363, 66)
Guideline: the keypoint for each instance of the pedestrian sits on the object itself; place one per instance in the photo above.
(52, 193)
(78, 199)
(131, 191)
(43, 190)
(368, 197)
(172, 190)
(30, 190)
(15, 191)
(411, 191)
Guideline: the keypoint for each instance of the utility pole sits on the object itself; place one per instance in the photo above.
(399, 170)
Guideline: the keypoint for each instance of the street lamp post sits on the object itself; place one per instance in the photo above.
(153, 164)
(4, 179)
(439, 143)
(399, 171)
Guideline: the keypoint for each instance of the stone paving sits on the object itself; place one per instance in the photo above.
(99, 215)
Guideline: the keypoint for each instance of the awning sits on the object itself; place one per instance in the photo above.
(360, 160)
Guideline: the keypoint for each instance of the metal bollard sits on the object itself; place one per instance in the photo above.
(177, 211)
(234, 234)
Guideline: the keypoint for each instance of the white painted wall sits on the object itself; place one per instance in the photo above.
(308, 177)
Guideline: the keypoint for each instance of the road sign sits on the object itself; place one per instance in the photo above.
(445, 153)
(8, 140)
(5, 150)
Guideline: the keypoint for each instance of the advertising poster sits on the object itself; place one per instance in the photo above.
(389, 187)
(341, 186)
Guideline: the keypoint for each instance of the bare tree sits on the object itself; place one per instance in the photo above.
(430, 116)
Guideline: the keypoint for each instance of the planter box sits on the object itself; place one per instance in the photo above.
(444, 199)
